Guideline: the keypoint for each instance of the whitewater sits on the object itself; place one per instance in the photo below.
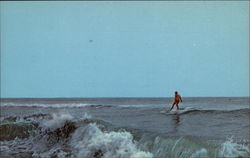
(124, 128)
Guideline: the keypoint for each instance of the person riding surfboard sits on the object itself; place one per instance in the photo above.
(177, 99)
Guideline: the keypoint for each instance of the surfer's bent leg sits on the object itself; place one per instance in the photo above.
(177, 105)
(172, 106)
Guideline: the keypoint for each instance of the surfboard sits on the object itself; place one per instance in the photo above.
(174, 111)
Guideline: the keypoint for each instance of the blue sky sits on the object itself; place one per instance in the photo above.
(124, 49)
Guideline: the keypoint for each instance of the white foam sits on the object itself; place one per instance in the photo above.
(87, 116)
(4, 148)
(50, 153)
(199, 153)
(175, 111)
(231, 149)
(57, 120)
(87, 140)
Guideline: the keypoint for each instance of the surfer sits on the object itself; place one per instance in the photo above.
(177, 99)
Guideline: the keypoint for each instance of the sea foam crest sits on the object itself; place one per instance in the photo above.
(200, 153)
(58, 119)
(231, 149)
(90, 141)
(87, 116)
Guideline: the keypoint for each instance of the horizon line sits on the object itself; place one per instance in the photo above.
(120, 97)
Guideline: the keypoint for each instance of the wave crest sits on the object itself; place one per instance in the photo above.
(92, 142)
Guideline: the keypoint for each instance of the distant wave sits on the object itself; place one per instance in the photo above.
(136, 106)
(69, 105)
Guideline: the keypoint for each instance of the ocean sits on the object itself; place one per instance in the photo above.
(124, 128)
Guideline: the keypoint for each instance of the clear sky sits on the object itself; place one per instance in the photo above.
(124, 49)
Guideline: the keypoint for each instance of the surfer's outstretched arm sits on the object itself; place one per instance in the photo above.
(180, 98)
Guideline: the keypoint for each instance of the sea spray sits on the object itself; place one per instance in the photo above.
(90, 141)
(56, 121)
(87, 116)
(232, 149)
(193, 147)
(53, 137)
(199, 153)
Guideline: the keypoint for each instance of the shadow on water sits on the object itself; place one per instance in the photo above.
(176, 119)
(176, 122)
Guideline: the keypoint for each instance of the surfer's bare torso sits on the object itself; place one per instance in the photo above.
(177, 98)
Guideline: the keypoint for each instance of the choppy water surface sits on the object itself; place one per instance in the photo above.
(124, 127)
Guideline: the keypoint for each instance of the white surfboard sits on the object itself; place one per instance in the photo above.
(174, 111)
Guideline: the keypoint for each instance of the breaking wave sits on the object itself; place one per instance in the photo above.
(60, 135)
(90, 141)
